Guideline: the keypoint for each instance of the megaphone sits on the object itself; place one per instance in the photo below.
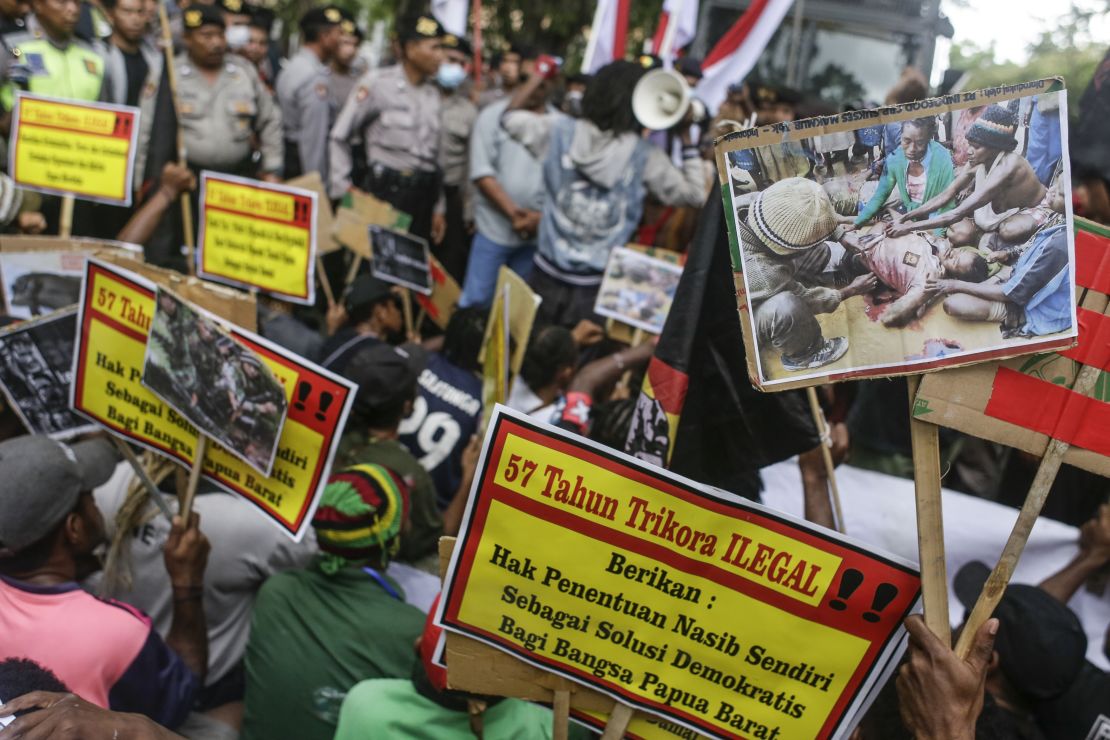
(661, 99)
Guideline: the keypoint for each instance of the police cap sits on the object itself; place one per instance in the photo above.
(203, 15)
(418, 27)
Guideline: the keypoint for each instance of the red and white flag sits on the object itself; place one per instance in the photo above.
(608, 34)
(736, 53)
(452, 15)
(678, 23)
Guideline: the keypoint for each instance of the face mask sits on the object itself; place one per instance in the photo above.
(450, 75)
(574, 102)
(237, 37)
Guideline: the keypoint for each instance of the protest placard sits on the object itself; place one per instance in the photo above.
(899, 275)
(992, 400)
(36, 365)
(637, 289)
(43, 274)
(400, 258)
(325, 217)
(681, 600)
(260, 235)
(521, 311)
(219, 385)
(66, 147)
(117, 308)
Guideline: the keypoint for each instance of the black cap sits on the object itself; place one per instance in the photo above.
(203, 15)
(417, 27)
(459, 43)
(328, 15)
(366, 290)
(348, 25)
(385, 374)
(235, 7)
(1040, 643)
(689, 67)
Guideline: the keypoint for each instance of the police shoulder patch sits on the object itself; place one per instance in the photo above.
(90, 67)
(321, 90)
(362, 93)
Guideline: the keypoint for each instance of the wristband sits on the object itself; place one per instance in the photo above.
(576, 411)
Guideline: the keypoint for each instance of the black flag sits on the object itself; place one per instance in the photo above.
(164, 248)
(698, 413)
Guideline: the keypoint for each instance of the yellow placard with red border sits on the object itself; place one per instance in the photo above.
(680, 600)
(66, 147)
(254, 234)
(116, 310)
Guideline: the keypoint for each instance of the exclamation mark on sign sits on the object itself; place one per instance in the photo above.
(303, 389)
(325, 401)
(884, 594)
(848, 584)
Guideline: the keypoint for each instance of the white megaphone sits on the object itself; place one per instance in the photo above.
(661, 99)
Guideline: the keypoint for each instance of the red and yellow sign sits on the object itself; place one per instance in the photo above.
(713, 612)
(258, 235)
(116, 311)
(64, 147)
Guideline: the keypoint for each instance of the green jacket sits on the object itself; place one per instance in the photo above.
(940, 171)
(74, 72)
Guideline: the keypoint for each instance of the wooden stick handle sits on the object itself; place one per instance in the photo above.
(406, 308)
(618, 722)
(561, 710)
(194, 478)
(995, 587)
(356, 262)
(325, 284)
(65, 220)
(930, 520)
(140, 472)
(826, 453)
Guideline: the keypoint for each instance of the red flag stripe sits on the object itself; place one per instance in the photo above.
(1092, 261)
(1050, 409)
(620, 33)
(668, 385)
(1094, 340)
(735, 36)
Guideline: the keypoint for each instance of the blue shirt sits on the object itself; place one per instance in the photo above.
(1040, 283)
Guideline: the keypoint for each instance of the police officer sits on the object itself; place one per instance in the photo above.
(50, 60)
(397, 111)
(229, 121)
(304, 94)
(456, 123)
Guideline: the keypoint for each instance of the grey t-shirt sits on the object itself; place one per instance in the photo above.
(493, 153)
(246, 550)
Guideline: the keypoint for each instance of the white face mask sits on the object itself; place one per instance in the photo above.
(237, 36)
(450, 75)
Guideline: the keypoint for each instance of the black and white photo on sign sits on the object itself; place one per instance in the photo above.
(37, 283)
(637, 289)
(36, 370)
(401, 259)
(218, 384)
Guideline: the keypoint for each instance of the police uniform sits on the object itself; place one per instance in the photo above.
(40, 65)
(400, 124)
(457, 118)
(222, 121)
(306, 106)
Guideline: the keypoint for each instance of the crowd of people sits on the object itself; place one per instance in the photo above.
(116, 621)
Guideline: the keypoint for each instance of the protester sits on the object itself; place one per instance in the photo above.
(246, 550)
(406, 707)
(257, 50)
(134, 65)
(597, 170)
(457, 115)
(396, 113)
(371, 315)
(104, 651)
(387, 379)
(49, 714)
(572, 94)
(446, 413)
(508, 180)
(229, 122)
(316, 632)
(507, 74)
(306, 112)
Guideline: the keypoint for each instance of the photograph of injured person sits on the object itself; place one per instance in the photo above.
(905, 245)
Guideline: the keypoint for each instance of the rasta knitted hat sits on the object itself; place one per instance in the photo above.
(792, 215)
(360, 513)
(995, 129)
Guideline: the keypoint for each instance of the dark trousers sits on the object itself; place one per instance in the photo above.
(413, 193)
(454, 251)
(564, 304)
